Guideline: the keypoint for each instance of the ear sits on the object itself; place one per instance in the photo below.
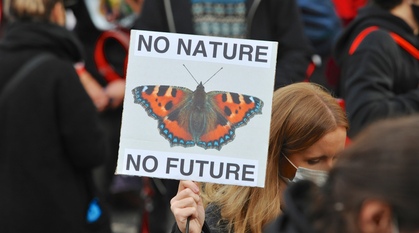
(58, 14)
(285, 168)
(375, 217)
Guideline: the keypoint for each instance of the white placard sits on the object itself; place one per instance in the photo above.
(197, 102)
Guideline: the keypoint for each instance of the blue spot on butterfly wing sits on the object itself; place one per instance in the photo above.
(217, 144)
(190, 143)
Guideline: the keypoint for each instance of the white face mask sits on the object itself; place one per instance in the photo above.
(319, 177)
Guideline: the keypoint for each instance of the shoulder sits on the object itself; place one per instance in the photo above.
(371, 38)
(213, 214)
(379, 35)
(213, 219)
(56, 67)
(52, 62)
(47, 68)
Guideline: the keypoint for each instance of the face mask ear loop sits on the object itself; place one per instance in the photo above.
(290, 161)
(286, 180)
(395, 225)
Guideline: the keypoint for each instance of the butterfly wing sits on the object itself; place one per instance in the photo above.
(165, 104)
(173, 108)
(231, 110)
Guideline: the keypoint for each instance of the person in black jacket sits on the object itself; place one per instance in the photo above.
(308, 129)
(373, 187)
(379, 78)
(50, 138)
(107, 95)
(271, 20)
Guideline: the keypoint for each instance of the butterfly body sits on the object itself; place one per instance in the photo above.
(198, 115)
(187, 118)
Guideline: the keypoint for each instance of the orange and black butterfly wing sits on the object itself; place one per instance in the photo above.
(165, 104)
(231, 110)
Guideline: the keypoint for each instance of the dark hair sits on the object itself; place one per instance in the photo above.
(387, 4)
(383, 164)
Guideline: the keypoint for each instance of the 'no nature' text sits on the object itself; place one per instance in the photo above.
(203, 48)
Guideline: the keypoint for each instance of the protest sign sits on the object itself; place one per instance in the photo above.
(197, 108)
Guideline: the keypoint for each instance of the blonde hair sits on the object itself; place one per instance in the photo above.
(302, 113)
(34, 10)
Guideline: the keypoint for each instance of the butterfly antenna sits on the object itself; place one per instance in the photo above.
(190, 73)
(213, 75)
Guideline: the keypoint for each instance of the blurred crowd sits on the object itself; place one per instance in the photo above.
(62, 87)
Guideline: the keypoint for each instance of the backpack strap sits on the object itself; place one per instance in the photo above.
(22, 74)
(412, 50)
(361, 36)
(405, 45)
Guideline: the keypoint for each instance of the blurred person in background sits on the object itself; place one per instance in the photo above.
(102, 26)
(373, 187)
(270, 20)
(50, 134)
(378, 57)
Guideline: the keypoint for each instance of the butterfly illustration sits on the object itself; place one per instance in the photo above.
(188, 118)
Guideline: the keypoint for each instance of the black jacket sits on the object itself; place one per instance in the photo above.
(380, 80)
(272, 20)
(49, 138)
(297, 198)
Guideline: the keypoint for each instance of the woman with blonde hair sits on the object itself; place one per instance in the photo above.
(308, 129)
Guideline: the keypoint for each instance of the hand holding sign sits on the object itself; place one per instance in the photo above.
(187, 203)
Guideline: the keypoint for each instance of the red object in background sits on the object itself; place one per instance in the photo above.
(144, 223)
(104, 67)
(348, 9)
(332, 73)
(147, 195)
(341, 103)
(309, 72)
